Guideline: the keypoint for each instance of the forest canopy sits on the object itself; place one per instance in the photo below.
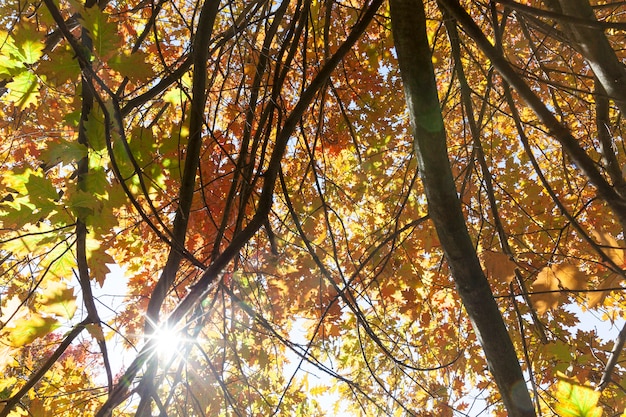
(330, 207)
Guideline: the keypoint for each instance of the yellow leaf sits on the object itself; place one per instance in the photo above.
(58, 299)
(23, 90)
(577, 400)
(555, 278)
(318, 390)
(26, 330)
(498, 266)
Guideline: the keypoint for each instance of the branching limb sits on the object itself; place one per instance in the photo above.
(36, 377)
(192, 159)
(618, 346)
(560, 132)
(210, 275)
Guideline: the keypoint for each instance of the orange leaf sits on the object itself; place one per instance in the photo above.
(596, 298)
(609, 246)
(498, 266)
(555, 278)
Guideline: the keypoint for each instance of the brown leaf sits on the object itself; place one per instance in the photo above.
(555, 278)
(498, 266)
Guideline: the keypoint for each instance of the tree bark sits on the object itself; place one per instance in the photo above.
(414, 57)
(595, 47)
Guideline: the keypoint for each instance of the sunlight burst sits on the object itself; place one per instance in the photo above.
(167, 342)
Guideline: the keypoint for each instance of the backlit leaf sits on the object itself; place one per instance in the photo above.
(577, 400)
(498, 266)
(597, 297)
(58, 299)
(553, 279)
(133, 66)
(27, 329)
(610, 246)
(40, 189)
(63, 151)
(23, 90)
(95, 331)
(102, 31)
(60, 67)
(29, 43)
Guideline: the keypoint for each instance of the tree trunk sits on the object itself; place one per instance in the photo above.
(414, 56)
(594, 46)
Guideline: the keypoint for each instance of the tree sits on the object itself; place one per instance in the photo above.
(406, 205)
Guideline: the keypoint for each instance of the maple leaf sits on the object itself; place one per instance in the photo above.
(611, 281)
(576, 400)
(295, 116)
(60, 67)
(498, 266)
(28, 43)
(57, 299)
(614, 251)
(23, 90)
(555, 280)
(24, 330)
(610, 246)
(63, 151)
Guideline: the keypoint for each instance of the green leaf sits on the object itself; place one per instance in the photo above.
(28, 244)
(63, 262)
(133, 66)
(57, 299)
(36, 198)
(96, 182)
(60, 67)
(84, 199)
(9, 66)
(94, 126)
(17, 181)
(29, 43)
(40, 189)
(19, 214)
(23, 90)
(577, 400)
(103, 33)
(63, 151)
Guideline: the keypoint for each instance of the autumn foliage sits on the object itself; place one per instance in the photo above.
(257, 182)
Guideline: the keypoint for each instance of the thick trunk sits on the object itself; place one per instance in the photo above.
(414, 56)
(594, 46)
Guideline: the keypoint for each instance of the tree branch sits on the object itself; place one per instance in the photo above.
(209, 276)
(420, 86)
